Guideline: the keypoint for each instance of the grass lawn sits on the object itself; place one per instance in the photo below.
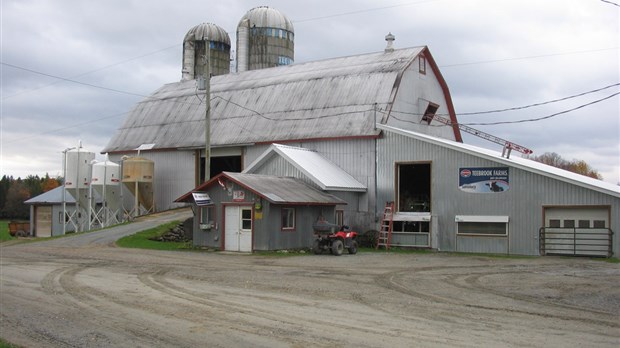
(4, 231)
(141, 239)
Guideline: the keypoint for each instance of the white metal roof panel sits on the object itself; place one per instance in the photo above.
(317, 168)
(515, 161)
(322, 99)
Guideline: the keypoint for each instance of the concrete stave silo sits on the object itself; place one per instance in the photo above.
(265, 39)
(195, 48)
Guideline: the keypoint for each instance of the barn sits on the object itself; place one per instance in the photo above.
(378, 131)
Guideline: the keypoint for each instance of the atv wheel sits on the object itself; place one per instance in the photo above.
(337, 247)
(316, 247)
(353, 247)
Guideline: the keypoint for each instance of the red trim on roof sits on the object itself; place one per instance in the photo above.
(446, 93)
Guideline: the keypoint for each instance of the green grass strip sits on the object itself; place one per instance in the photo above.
(141, 240)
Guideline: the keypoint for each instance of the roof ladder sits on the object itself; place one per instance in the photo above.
(385, 233)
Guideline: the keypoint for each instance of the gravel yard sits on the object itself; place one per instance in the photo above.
(87, 294)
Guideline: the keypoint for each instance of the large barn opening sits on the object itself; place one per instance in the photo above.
(221, 164)
(413, 187)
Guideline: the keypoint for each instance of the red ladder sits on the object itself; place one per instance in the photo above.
(385, 233)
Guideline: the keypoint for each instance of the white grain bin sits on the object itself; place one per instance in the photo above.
(138, 174)
(77, 183)
(106, 181)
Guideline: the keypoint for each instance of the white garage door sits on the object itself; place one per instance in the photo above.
(576, 231)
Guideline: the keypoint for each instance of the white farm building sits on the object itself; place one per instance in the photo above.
(366, 129)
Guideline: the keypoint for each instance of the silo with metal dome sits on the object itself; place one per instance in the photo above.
(195, 49)
(265, 39)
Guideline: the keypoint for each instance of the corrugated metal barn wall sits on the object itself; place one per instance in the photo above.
(523, 202)
(355, 156)
(173, 177)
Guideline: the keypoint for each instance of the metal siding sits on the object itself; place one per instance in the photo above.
(173, 177)
(523, 202)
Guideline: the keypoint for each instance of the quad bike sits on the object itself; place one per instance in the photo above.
(328, 239)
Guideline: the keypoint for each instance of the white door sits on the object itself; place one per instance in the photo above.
(238, 230)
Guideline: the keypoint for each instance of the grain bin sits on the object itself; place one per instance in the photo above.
(106, 182)
(77, 168)
(138, 175)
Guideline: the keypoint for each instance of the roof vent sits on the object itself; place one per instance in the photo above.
(390, 42)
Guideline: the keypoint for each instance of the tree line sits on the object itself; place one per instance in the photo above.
(14, 192)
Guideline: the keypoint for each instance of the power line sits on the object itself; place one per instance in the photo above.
(609, 2)
(71, 80)
(92, 71)
(544, 117)
(362, 11)
(537, 104)
(528, 57)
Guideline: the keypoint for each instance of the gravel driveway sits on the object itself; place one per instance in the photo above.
(82, 291)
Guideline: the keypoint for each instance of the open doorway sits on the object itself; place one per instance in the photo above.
(413, 187)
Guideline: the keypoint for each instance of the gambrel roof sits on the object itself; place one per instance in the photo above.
(333, 98)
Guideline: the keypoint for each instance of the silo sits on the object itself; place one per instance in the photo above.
(106, 182)
(265, 39)
(138, 173)
(195, 47)
(77, 168)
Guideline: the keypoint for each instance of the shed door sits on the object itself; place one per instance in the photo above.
(238, 230)
(577, 231)
(43, 226)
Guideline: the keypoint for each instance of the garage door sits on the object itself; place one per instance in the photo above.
(43, 225)
(576, 231)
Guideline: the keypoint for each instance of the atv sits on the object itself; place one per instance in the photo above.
(328, 239)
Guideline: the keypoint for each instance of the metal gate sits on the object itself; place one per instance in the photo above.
(576, 241)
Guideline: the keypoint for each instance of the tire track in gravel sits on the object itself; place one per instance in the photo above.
(391, 281)
(313, 328)
(62, 281)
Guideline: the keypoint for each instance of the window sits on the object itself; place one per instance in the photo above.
(492, 226)
(288, 218)
(569, 223)
(339, 217)
(206, 214)
(584, 224)
(422, 62)
(555, 223)
(246, 219)
(599, 223)
(414, 187)
(431, 109)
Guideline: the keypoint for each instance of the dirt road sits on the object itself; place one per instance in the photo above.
(95, 295)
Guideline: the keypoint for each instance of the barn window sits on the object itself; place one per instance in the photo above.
(598, 223)
(429, 114)
(569, 223)
(339, 217)
(288, 218)
(584, 224)
(555, 223)
(482, 225)
(413, 187)
(422, 63)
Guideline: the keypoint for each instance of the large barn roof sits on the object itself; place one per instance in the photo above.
(332, 98)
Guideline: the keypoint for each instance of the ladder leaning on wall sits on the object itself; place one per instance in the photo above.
(385, 233)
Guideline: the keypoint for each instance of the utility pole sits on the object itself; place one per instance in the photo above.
(207, 88)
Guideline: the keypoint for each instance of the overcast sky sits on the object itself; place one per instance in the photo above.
(494, 54)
